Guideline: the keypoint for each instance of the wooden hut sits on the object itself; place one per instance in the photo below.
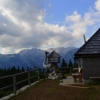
(54, 57)
(88, 57)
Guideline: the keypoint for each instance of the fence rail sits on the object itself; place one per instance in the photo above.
(15, 83)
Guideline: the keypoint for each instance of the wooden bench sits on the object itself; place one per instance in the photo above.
(77, 75)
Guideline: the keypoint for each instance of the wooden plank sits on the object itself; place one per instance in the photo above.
(14, 82)
(94, 77)
(6, 87)
(29, 82)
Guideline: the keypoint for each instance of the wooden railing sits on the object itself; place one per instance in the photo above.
(15, 83)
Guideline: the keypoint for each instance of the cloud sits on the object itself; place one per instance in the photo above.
(97, 5)
(79, 24)
(22, 25)
(7, 51)
(74, 18)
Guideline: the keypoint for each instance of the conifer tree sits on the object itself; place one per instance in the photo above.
(27, 68)
(22, 69)
(64, 64)
(13, 70)
(18, 70)
(70, 64)
(75, 64)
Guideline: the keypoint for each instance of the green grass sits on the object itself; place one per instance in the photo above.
(52, 90)
(5, 93)
(91, 93)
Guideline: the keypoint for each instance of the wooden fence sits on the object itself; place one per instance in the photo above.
(15, 83)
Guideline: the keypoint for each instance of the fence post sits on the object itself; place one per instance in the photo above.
(70, 70)
(29, 82)
(14, 84)
(43, 72)
(38, 74)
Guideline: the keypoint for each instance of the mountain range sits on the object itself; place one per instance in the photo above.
(34, 57)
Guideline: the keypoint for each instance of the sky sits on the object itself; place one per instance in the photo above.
(46, 23)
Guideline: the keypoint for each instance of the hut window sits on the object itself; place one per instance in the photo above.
(53, 59)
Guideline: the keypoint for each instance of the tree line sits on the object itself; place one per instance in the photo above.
(69, 64)
(66, 67)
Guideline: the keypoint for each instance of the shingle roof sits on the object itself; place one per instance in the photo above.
(92, 46)
(54, 55)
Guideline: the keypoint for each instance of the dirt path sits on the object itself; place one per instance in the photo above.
(51, 90)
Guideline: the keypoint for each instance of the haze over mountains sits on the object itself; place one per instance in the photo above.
(34, 57)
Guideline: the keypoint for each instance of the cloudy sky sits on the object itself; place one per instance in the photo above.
(46, 23)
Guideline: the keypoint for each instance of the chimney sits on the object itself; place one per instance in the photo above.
(84, 38)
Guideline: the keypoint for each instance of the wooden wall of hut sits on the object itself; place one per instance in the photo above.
(91, 67)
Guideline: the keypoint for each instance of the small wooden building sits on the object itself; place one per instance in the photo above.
(88, 57)
(54, 57)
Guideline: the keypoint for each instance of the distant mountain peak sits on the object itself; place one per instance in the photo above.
(34, 57)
